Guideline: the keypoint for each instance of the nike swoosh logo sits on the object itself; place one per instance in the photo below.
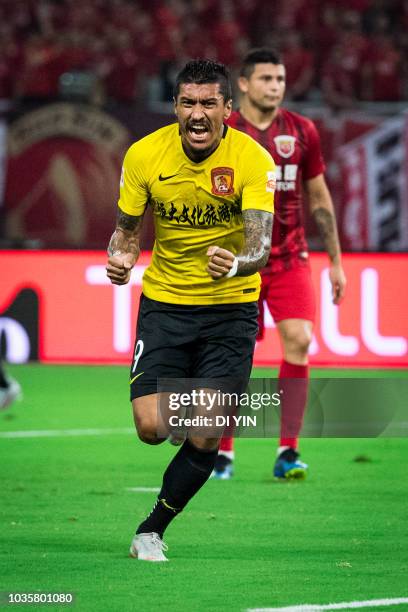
(165, 178)
(134, 378)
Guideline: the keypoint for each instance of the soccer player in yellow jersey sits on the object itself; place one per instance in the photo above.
(211, 191)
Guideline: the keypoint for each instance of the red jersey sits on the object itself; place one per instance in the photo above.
(294, 143)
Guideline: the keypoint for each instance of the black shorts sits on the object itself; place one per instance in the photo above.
(177, 341)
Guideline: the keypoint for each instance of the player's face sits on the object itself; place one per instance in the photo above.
(265, 87)
(201, 111)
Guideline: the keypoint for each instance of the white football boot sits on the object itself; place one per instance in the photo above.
(148, 547)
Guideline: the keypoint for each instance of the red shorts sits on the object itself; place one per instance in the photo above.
(289, 295)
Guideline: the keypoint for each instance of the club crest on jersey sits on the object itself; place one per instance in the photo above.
(222, 180)
(285, 145)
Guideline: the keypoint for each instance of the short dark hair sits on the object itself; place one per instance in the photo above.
(205, 71)
(262, 55)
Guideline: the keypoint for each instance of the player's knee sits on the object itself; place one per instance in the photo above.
(299, 340)
(147, 430)
(148, 436)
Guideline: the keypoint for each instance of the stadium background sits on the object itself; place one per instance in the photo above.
(78, 83)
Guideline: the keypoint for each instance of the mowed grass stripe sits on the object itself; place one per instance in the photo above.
(350, 605)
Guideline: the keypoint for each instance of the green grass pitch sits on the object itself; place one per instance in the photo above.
(67, 516)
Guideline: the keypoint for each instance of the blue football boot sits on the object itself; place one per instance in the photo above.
(223, 468)
(289, 467)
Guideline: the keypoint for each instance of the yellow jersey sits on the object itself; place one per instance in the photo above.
(196, 205)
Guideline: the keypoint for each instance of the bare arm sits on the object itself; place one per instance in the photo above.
(322, 211)
(124, 248)
(254, 255)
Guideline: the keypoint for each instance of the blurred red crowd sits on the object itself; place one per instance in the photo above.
(353, 50)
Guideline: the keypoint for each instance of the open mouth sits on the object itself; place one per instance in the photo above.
(198, 133)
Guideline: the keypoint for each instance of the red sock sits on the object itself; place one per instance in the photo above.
(227, 444)
(293, 386)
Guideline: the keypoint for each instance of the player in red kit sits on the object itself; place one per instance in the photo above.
(294, 144)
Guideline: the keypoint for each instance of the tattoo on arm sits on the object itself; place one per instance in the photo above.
(326, 223)
(125, 238)
(258, 234)
(127, 222)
